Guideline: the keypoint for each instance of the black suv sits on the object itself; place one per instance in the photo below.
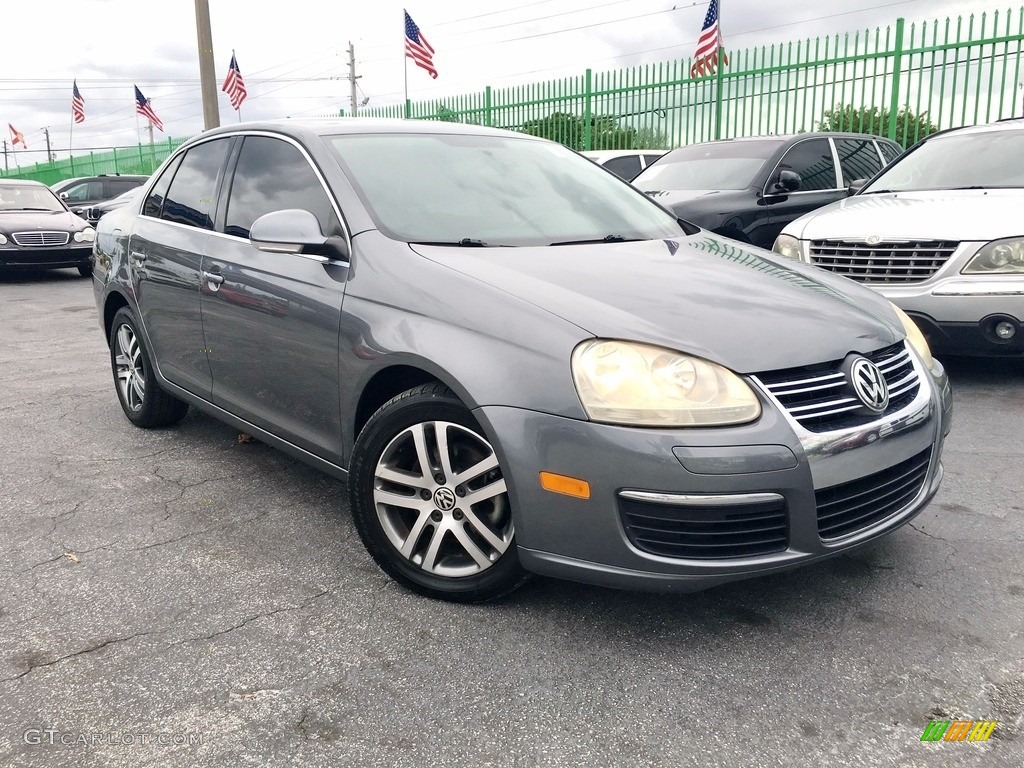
(82, 193)
(749, 189)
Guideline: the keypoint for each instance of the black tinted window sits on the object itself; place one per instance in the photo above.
(87, 190)
(812, 159)
(116, 186)
(889, 151)
(858, 159)
(155, 201)
(626, 167)
(191, 197)
(272, 175)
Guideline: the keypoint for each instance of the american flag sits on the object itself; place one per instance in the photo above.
(17, 137)
(77, 104)
(417, 48)
(705, 60)
(234, 86)
(144, 108)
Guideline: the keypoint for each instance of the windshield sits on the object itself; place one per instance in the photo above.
(33, 198)
(988, 160)
(487, 190)
(713, 165)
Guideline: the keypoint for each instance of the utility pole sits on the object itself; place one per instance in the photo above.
(6, 166)
(49, 156)
(207, 76)
(354, 101)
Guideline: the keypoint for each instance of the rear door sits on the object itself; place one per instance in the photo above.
(165, 254)
(271, 320)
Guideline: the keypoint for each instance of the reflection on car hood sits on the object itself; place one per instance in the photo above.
(972, 214)
(17, 221)
(671, 197)
(704, 295)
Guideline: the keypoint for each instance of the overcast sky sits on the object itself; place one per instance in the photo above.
(293, 55)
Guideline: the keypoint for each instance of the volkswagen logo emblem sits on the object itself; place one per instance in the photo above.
(444, 499)
(869, 384)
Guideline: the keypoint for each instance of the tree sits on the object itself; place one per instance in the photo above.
(569, 129)
(910, 127)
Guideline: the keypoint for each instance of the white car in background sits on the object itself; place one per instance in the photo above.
(939, 233)
(626, 163)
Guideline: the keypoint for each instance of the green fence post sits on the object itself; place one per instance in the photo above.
(897, 62)
(718, 94)
(588, 109)
(487, 106)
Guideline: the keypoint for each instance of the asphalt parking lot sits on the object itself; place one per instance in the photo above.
(177, 597)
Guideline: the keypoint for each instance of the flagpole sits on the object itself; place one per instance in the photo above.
(718, 77)
(405, 65)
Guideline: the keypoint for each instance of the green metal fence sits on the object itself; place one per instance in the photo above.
(142, 159)
(902, 81)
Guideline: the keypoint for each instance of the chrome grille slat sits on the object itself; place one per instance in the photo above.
(40, 239)
(891, 262)
(827, 403)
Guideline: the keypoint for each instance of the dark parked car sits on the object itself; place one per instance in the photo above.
(749, 189)
(520, 363)
(37, 231)
(96, 212)
(82, 193)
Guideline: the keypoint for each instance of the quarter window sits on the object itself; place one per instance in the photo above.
(812, 160)
(858, 159)
(272, 175)
(155, 201)
(889, 151)
(190, 199)
(627, 166)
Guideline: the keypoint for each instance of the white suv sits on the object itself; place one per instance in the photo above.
(940, 232)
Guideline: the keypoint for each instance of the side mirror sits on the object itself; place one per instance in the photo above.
(788, 181)
(295, 231)
(63, 195)
(855, 186)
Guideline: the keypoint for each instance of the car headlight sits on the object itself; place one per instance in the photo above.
(1000, 257)
(636, 384)
(787, 246)
(3, 239)
(914, 336)
(87, 235)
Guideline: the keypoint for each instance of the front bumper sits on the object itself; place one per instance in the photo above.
(720, 471)
(45, 258)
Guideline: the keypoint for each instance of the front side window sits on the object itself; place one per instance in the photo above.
(496, 190)
(191, 198)
(87, 190)
(155, 201)
(272, 175)
(858, 159)
(812, 160)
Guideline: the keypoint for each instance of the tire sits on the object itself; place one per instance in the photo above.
(85, 270)
(446, 532)
(142, 400)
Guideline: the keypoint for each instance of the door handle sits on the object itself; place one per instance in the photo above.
(213, 279)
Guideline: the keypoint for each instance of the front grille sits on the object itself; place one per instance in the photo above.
(894, 262)
(709, 532)
(820, 398)
(850, 507)
(41, 239)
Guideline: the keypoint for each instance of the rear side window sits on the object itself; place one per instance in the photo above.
(155, 202)
(889, 152)
(858, 159)
(648, 159)
(191, 198)
(812, 159)
(273, 175)
(627, 167)
(116, 186)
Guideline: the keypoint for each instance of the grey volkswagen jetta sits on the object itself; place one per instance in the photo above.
(521, 363)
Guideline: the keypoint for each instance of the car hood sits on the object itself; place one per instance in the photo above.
(672, 197)
(18, 221)
(974, 214)
(743, 308)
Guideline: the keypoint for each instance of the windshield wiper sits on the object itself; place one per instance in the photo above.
(877, 192)
(605, 239)
(466, 242)
(973, 186)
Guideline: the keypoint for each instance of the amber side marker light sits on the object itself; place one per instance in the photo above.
(569, 486)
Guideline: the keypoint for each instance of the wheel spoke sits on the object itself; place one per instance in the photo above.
(399, 500)
(486, 465)
(470, 546)
(124, 340)
(139, 388)
(419, 439)
(489, 491)
(443, 450)
(499, 544)
(403, 478)
(414, 534)
(430, 558)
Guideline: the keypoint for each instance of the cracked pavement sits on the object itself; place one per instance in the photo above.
(179, 582)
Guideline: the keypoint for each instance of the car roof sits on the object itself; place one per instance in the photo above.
(328, 126)
(1009, 124)
(610, 154)
(22, 183)
(782, 138)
